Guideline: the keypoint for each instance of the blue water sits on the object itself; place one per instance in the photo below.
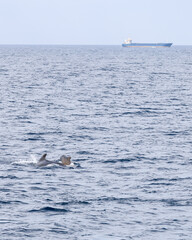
(124, 115)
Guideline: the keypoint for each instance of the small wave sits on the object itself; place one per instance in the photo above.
(58, 230)
(84, 153)
(123, 160)
(11, 202)
(33, 139)
(119, 200)
(174, 133)
(74, 203)
(49, 209)
(5, 202)
(9, 176)
(4, 70)
(177, 202)
(131, 200)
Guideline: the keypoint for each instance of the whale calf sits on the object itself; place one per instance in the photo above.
(65, 160)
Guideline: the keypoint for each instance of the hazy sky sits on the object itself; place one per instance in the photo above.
(95, 21)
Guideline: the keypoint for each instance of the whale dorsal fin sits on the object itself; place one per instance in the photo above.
(43, 157)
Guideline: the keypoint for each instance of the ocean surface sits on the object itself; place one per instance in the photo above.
(123, 115)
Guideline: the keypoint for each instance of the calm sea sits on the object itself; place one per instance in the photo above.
(124, 115)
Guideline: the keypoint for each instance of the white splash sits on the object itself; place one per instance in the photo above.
(31, 160)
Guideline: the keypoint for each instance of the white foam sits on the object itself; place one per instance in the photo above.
(31, 160)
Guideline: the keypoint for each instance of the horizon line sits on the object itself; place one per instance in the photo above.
(62, 44)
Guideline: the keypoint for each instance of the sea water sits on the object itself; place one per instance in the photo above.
(123, 115)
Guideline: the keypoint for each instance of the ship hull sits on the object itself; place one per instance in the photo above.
(153, 45)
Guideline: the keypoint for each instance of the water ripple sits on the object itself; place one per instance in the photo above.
(124, 115)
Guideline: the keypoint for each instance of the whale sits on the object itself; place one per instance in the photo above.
(44, 162)
(63, 161)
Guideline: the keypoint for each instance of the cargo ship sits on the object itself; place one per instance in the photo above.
(129, 43)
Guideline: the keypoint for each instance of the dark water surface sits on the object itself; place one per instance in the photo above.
(125, 115)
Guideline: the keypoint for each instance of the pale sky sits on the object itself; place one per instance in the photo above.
(107, 22)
